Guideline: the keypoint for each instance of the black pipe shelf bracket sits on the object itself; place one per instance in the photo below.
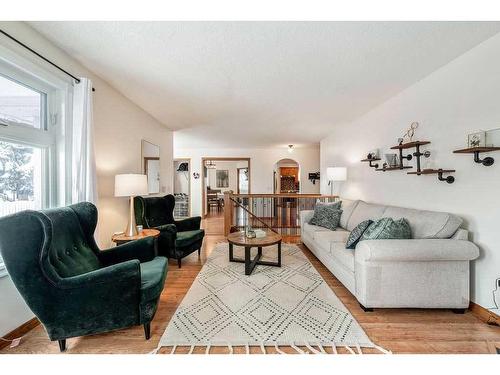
(439, 172)
(417, 154)
(487, 161)
(370, 162)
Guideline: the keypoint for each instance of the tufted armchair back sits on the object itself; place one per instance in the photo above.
(70, 253)
(155, 211)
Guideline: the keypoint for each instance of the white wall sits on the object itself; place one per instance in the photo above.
(262, 162)
(457, 99)
(120, 125)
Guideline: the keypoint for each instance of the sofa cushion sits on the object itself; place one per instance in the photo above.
(364, 211)
(387, 229)
(357, 233)
(337, 235)
(427, 224)
(153, 275)
(342, 255)
(348, 207)
(326, 216)
(311, 230)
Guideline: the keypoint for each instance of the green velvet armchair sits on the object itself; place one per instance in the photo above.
(178, 238)
(72, 287)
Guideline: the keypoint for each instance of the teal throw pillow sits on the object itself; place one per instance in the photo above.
(356, 234)
(387, 228)
(326, 217)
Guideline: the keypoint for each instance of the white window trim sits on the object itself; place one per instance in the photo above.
(17, 64)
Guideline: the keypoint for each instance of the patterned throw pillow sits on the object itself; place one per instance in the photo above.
(356, 234)
(326, 217)
(334, 205)
(387, 229)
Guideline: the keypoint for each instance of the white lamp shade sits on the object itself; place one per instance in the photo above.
(336, 173)
(131, 185)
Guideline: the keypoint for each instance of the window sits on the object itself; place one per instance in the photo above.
(21, 105)
(27, 142)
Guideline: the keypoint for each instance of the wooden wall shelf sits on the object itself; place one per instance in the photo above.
(393, 168)
(373, 159)
(439, 172)
(487, 161)
(410, 145)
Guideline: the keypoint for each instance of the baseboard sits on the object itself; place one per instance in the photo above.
(484, 314)
(19, 331)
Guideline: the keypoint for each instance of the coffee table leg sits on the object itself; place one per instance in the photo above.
(260, 251)
(231, 257)
(248, 268)
(279, 254)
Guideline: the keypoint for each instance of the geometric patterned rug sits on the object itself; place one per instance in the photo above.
(289, 305)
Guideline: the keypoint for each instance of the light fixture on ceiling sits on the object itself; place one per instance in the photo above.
(290, 148)
(210, 164)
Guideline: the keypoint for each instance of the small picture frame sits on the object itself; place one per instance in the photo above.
(477, 139)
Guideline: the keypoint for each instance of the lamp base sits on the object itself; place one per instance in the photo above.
(131, 230)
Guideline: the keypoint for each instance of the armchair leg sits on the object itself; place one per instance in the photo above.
(179, 262)
(458, 311)
(147, 330)
(62, 345)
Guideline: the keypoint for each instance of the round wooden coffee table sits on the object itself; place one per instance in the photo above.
(239, 239)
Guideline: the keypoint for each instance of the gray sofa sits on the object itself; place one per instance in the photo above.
(431, 270)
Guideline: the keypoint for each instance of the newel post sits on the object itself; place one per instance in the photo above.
(228, 212)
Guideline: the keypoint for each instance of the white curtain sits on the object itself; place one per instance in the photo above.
(84, 179)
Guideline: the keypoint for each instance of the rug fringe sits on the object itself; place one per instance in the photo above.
(278, 350)
(334, 348)
(385, 351)
(355, 349)
(300, 351)
(349, 349)
(314, 351)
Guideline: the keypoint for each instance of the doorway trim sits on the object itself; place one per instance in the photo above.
(203, 185)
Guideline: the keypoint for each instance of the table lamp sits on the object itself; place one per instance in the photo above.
(131, 185)
(335, 174)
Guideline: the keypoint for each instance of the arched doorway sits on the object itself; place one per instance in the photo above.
(286, 177)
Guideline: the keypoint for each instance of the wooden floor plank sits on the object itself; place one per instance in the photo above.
(398, 330)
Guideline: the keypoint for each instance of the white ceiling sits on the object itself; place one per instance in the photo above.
(247, 84)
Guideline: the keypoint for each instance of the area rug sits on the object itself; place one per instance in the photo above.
(273, 307)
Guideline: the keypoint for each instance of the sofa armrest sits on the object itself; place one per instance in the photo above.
(191, 223)
(305, 216)
(416, 250)
(142, 250)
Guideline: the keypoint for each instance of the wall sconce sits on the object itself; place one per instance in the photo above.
(196, 175)
(290, 149)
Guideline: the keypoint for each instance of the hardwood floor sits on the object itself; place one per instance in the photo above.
(398, 330)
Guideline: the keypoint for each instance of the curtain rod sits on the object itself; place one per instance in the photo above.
(76, 79)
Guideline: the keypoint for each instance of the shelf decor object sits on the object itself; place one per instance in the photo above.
(417, 154)
(370, 160)
(439, 172)
(487, 161)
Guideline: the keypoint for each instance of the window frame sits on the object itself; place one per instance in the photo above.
(54, 135)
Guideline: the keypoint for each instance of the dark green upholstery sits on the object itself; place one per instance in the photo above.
(74, 288)
(178, 238)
